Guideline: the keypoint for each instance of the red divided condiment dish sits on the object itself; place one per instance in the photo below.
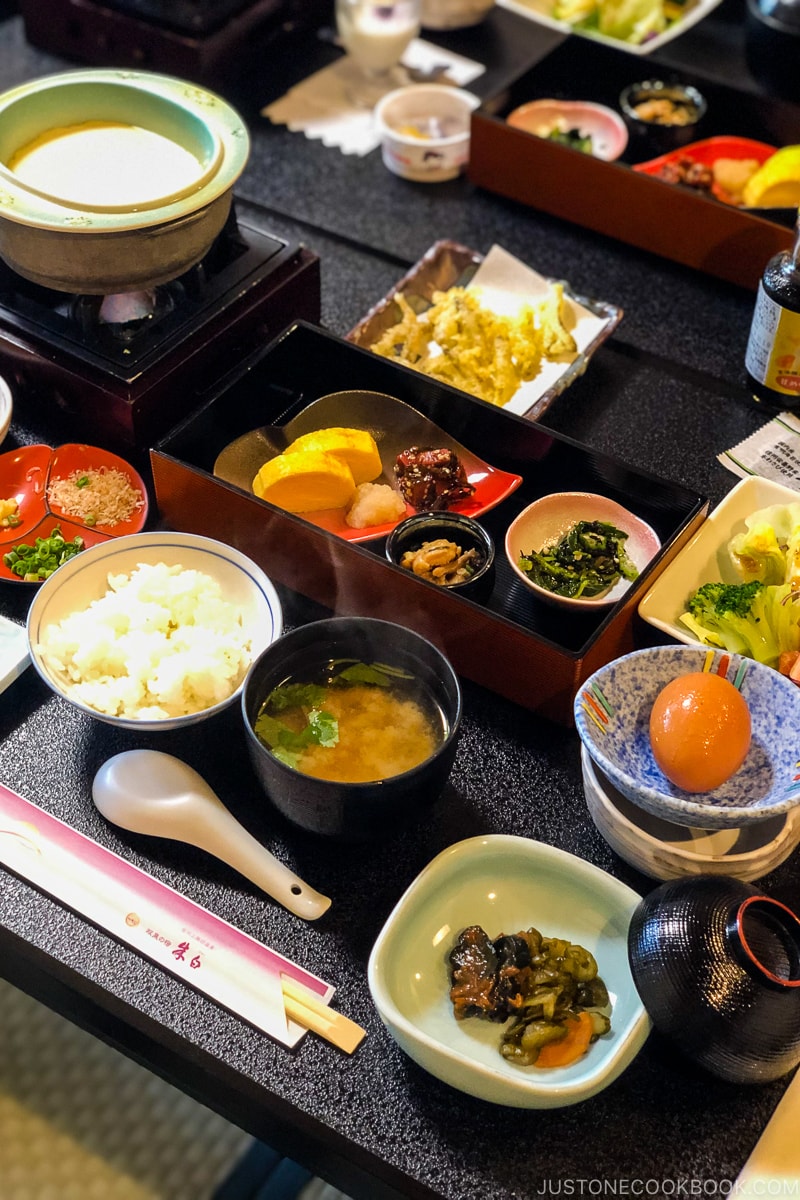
(26, 474)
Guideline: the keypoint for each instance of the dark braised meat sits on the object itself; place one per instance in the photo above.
(473, 975)
(686, 171)
(431, 479)
(489, 979)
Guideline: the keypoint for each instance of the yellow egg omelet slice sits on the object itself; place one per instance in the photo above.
(356, 447)
(305, 481)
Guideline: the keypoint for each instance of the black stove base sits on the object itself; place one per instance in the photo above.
(102, 401)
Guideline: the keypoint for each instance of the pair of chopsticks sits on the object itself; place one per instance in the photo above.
(309, 1011)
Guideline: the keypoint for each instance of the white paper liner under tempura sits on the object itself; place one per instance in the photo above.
(505, 285)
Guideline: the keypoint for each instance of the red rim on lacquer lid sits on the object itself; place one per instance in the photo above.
(789, 923)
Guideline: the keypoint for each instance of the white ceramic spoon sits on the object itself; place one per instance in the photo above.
(148, 791)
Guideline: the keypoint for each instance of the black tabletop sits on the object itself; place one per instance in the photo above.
(666, 393)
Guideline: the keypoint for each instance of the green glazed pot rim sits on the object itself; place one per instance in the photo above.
(199, 120)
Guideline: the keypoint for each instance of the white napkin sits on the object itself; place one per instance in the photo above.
(773, 452)
(505, 285)
(319, 106)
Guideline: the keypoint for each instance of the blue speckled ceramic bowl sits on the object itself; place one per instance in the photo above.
(612, 715)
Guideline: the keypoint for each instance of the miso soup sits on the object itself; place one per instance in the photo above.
(354, 723)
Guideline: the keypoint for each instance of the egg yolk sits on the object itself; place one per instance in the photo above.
(700, 731)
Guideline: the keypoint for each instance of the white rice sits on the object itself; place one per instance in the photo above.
(162, 642)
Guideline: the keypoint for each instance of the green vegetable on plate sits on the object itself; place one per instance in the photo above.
(758, 617)
(633, 21)
(588, 560)
(573, 138)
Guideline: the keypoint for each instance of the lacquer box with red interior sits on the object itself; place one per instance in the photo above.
(619, 198)
(512, 643)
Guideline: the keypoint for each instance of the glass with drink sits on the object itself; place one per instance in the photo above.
(375, 37)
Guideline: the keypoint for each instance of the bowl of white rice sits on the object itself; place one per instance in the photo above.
(154, 630)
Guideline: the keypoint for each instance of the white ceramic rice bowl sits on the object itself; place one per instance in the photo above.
(85, 578)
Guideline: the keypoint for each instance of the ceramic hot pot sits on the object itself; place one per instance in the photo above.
(112, 243)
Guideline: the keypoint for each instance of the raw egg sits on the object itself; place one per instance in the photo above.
(700, 731)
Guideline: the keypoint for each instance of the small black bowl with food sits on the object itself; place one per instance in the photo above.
(351, 725)
(660, 116)
(446, 549)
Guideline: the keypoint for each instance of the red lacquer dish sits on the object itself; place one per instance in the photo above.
(394, 425)
(705, 153)
(30, 477)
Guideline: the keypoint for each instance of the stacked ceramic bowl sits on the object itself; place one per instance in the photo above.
(744, 827)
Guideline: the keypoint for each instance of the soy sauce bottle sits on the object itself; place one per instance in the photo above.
(772, 358)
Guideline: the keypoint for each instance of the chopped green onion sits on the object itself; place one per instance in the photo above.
(37, 562)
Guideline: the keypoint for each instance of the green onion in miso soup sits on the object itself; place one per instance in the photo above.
(353, 723)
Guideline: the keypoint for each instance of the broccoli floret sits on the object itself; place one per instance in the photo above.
(721, 598)
(735, 617)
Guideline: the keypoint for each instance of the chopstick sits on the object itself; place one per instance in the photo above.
(308, 1010)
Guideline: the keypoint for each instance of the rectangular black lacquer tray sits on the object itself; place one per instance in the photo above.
(306, 362)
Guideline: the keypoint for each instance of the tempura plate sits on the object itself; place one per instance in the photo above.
(448, 264)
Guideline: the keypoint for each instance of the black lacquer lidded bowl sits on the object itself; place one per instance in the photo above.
(717, 965)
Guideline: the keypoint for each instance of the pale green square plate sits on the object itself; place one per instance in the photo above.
(505, 884)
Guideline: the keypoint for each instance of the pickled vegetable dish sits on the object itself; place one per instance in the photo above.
(355, 723)
(547, 988)
(442, 562)
(588, 560)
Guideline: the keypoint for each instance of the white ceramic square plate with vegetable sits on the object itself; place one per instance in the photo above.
(643, 19)
(707, 559)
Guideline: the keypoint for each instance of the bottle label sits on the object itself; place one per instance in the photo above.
(773, 348)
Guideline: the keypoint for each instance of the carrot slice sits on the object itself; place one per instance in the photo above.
(571, 1047)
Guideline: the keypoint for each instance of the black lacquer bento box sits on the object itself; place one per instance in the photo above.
(680, 223)
(511, 643)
